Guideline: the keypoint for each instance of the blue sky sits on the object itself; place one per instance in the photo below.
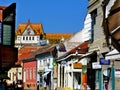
(56, 16)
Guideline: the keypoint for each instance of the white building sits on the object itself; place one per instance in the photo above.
(45, 62)
(30, 34)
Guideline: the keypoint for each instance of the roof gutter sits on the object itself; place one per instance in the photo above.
(75, 55)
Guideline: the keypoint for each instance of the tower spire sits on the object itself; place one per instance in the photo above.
(29, 21)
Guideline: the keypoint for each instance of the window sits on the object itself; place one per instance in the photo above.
(40, 63)
(48, 61)
(30, 73)
(41, 36)
(29, 38)
(33, 38)
(93, 16)
(18, 38)
(34, 73)
(23, 38)
(27, 74)
(45, 62)
(26, 38)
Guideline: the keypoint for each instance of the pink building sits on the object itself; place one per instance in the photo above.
(29, 73)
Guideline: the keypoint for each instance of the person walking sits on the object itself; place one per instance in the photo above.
(44, 83)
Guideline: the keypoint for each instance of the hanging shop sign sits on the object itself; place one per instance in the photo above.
(84, 69)
(117, 73)
(77, 65)
(96, 65)
(63, 63)
(104, 62)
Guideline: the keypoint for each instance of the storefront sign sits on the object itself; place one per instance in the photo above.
(104, 62)
(84, 69)
(96, 65)
(77, 65)
(63, 63)
(117, 73)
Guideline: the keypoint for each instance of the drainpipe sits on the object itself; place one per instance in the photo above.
(100, 84)
(113, 77)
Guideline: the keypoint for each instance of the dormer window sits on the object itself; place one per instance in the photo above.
(28, 31)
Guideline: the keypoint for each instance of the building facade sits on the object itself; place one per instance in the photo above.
(30, 34)
(45, 66)
(98, 43)
(29, 73)
(72, 71)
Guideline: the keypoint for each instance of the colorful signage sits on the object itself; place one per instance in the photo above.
(84, 69)
(117, 73)
(77, 65)
(104, 62)
(63, 63)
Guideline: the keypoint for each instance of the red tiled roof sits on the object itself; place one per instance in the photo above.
(81, 49)
(37, 27)
(27, 52)
(45, 49)
(58, 35)
(55, 38)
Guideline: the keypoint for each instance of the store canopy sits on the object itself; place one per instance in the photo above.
(114, 54)
(45, 74)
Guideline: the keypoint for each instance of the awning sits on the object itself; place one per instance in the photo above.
(46, 73)
(114, 54)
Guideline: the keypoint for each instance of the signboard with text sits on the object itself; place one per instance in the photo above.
(104, 62)
(63, 63)
(77, 65)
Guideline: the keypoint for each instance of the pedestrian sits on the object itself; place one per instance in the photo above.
(1, 85)
(37, 85)
(44, 83)
(13, 85)
(5, 84)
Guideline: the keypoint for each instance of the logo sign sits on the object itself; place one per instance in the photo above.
(104, 62)
(63, 63)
